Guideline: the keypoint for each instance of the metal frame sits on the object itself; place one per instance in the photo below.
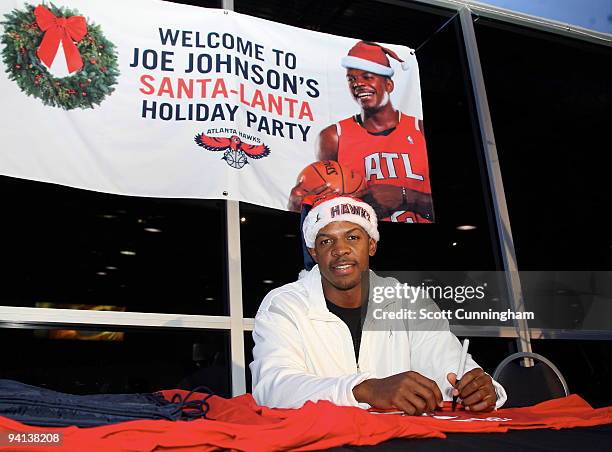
(514, 17)
(533, 356)
(236, 324)
(48, 316)
(502, 219)
(234, 276)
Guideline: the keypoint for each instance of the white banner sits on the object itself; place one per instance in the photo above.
(169, 83)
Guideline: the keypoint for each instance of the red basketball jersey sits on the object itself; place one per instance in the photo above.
(399, 158)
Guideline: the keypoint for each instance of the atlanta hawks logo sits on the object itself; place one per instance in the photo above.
(235, 151)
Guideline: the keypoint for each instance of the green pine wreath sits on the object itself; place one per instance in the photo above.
(82, 89)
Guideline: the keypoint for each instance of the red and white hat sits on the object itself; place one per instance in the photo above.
(372, 57)
(339, 208)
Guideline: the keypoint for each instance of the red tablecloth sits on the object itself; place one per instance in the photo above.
(241, 424)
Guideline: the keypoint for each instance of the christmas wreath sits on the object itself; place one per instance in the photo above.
(32, 36)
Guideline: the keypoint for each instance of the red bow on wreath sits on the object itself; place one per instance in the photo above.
(64, 29)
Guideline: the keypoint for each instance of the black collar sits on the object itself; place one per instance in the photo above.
(384, 133)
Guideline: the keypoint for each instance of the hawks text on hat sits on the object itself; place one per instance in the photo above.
(339, 208)
(342, 209)
(372, 57)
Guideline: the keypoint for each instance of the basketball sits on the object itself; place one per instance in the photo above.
(347, 181)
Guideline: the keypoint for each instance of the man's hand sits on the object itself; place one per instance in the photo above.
(298, 194)
(475, 389)
(410, 392)
(385, 199)
(388, 197)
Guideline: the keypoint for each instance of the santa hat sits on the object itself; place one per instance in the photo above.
(339, 208)
(372, 57)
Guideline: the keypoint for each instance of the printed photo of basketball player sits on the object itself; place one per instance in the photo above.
(384, 145)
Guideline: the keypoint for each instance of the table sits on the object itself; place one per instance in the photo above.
(586, 439)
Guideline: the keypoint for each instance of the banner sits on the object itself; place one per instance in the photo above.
(149, 98)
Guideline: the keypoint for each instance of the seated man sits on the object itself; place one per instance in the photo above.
(311, 342)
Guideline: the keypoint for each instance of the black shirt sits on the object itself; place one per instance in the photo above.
(353, 319)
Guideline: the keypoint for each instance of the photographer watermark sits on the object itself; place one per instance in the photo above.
(397, 302)
(458, 294)
(429, 300)
(447, 314)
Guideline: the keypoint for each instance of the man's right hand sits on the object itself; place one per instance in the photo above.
(409, 392)
(298, 194)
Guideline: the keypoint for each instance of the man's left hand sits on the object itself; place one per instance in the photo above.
(388, 197)
(475, 389)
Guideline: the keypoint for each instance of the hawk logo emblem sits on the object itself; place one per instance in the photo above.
(235, 151)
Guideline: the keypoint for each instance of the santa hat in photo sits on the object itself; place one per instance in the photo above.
(372, 57)
(339, 208)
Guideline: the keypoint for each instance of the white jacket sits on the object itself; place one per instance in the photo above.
(304, 352)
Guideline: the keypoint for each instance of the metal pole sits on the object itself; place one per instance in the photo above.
(516, 18)
(234, 280)
(502, 218)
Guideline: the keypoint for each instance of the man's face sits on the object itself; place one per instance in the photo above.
(342, 250)
(369, 90)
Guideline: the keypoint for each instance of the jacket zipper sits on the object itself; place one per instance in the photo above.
(346, 328)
